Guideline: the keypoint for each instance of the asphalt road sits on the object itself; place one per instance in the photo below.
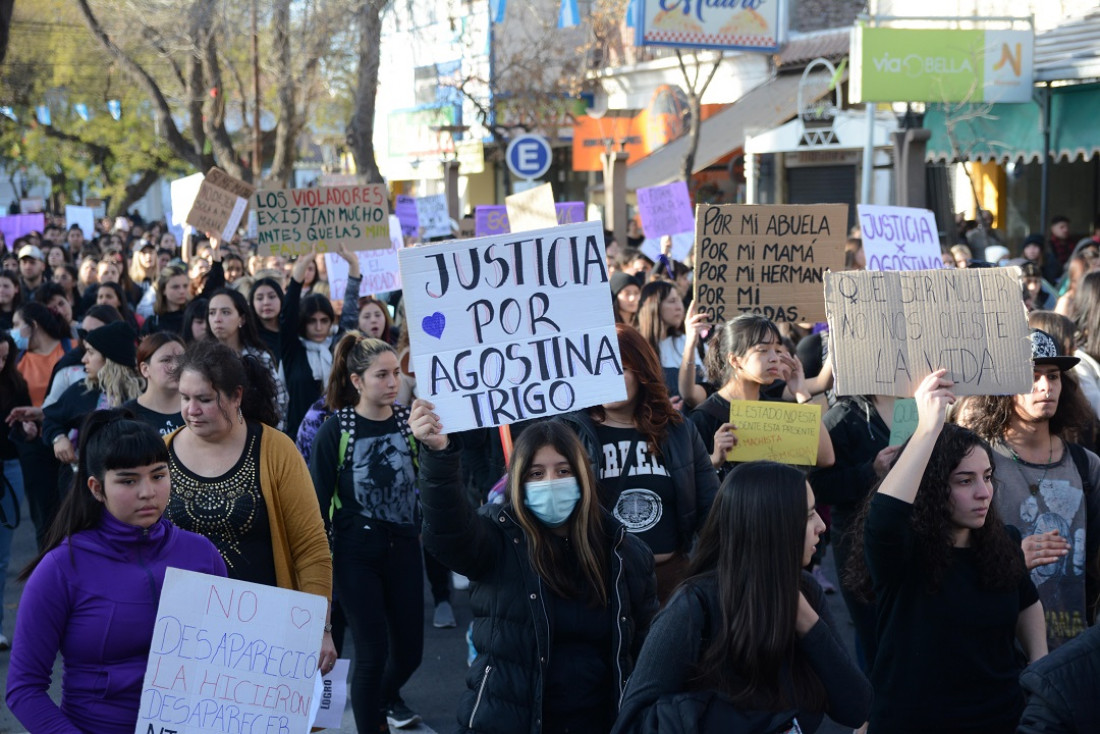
(433, 691)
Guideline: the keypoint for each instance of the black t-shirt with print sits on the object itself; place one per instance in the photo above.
(639, 488)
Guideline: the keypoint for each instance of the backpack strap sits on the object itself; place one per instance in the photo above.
(402, 414)
(346, 417)
(1081, 461)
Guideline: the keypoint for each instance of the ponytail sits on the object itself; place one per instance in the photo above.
(353, 356)
(260, 393)
(109, 439)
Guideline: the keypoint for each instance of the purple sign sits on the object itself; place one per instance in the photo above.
(570, 212)
(405, 209)
(489, 220)
(493, 219)
(17, 225)
(665, 210)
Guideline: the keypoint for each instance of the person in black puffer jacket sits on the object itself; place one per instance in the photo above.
(562, 595)
(1061, 689)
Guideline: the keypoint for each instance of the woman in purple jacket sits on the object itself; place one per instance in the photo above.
(92, 594)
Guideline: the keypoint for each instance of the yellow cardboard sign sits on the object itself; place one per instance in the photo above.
(775, 431)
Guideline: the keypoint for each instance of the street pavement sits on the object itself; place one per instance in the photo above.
(433, 691)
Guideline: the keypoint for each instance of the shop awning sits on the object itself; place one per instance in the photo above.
(762, 108)
(1004, 132)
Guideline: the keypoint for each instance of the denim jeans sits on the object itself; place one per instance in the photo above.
(12, 506)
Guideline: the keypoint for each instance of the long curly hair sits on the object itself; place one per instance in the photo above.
(993, 414)
(1000, 562)
(653, 411)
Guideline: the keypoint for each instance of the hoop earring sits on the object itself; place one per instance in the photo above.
(240, 415)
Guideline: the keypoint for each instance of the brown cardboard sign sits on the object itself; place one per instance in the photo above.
(292, 222)
(767, 260)
(889, 330)
(220, 204)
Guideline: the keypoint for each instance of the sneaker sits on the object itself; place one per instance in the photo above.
(444, 616)
(819, 576)
(400, 716)
(6, 645)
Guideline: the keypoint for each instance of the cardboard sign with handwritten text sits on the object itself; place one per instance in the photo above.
(767, 260)
(889, 330)
(292, 221)
(226, 650)
(527, 333)
(220, 204)
(775, 431)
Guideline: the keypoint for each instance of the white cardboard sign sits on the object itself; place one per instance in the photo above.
(226, 650)
(435, 221)
(899, 238)
(512, 326)
(379, 268)
(83, 217)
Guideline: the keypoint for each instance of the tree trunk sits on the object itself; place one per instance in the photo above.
(695, 92)
(288, 126)
(360, 130)
(137, 189)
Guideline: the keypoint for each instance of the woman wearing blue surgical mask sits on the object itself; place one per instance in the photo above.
(562, 595)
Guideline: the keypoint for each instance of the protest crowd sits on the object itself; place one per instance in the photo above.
(208, 407)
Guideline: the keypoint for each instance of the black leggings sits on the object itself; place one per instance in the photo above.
(379, 580)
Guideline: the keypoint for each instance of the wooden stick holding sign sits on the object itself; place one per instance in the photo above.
(889, 330)
(512, 327)
(767, 260)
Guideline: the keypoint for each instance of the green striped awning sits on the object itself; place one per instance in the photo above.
(991, 132)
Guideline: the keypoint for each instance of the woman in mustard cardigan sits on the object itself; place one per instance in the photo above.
(242, 483)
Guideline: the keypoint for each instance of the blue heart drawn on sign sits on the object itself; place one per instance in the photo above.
(433, 325)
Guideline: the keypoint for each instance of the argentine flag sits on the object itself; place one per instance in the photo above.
(115, 108)
(81, 111)
(496, 10)
(569, 15)
(631, 9)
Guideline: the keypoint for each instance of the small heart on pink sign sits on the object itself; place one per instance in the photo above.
(300, 617)
(433, 325)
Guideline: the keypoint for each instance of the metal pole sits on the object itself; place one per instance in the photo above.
(868, 157)
(1044, 186)
(257, 148)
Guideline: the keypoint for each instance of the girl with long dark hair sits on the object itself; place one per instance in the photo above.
(13, 392)
(41, 340)
(11, 297)
(363, 465)
(661, 322)
(654, 473)
(746, 356)
(87, 597)
(172, 292)
(229, 321)
(951, 593)
(266, 298)
(749, 637)
(562, 595)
